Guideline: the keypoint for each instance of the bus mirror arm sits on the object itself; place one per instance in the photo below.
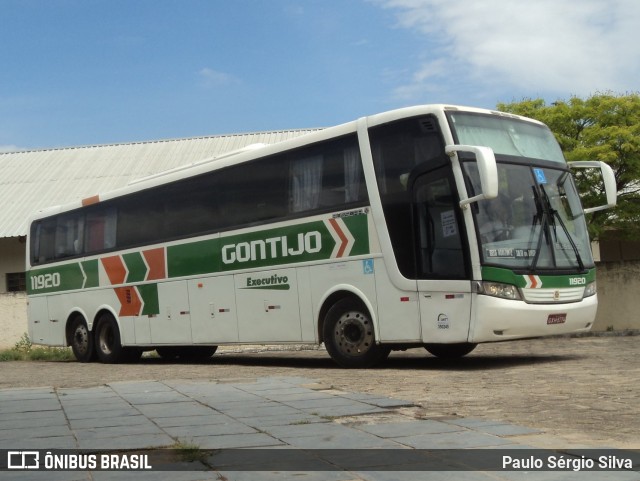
(608, 178)
(487, 169)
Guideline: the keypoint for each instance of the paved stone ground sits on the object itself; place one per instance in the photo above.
(272, 412)
(584, 390)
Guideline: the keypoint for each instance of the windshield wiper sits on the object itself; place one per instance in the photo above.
(540, 217)
(552, 215)
(547, 216)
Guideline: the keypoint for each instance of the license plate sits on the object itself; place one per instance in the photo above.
(556, 318)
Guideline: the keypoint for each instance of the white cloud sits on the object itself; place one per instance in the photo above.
(215, 78)
(9, 148)
(559, 47)
(425, 79)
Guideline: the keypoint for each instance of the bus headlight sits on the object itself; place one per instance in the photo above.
(590, 290)
(497, 289)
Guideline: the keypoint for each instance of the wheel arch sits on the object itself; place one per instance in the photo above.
(335, 295)
(105, 309)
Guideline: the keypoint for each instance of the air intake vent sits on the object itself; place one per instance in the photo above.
(428, 125)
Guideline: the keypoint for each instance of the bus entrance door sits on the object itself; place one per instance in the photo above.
(443, 282)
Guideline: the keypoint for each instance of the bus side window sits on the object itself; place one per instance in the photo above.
(43, 241)
(69, 235)
(253, 191)
(100, 229)
(326, 175)
(306, 183)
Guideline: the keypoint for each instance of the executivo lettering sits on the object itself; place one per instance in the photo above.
(276, 282)
(272, 248)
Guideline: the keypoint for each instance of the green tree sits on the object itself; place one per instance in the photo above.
(603, 127)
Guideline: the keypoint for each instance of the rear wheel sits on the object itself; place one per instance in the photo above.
(81, 340)
(450, 351)
(107, 341)
(349, 336)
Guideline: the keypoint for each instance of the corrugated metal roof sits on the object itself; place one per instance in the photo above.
(33, 180)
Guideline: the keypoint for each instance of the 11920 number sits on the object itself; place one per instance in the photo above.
(45, 281)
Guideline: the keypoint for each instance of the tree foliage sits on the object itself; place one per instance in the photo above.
(603, 127)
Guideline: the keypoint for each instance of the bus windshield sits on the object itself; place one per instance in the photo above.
(506, 136)
(535, 223)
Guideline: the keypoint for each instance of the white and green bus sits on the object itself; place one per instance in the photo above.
(432, 226)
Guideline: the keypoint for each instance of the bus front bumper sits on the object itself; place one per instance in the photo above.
(502, 320)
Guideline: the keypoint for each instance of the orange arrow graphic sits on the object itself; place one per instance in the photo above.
(343, 238)
(155, 261)
(130, 302)
(114, 267)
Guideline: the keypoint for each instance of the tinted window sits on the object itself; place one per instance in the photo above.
(318, 178)
(400, 148)
(253, 192)
(100, 228)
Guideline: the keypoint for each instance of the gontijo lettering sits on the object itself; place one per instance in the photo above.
(272, 248)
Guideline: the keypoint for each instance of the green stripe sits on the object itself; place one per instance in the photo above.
(53, 279)
(149, 294)
(276, 287)
(193, 258)
(304, 242)
(507, 276)
(359, 228)
(91, 271)
(136, 267)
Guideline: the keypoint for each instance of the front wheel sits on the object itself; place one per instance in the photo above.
(349, 336)
(450, 351)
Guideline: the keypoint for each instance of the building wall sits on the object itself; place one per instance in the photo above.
(13, 318)
(618, 300)
(12, 258)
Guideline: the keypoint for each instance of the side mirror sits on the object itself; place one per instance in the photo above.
(609, 179)
(487, 168)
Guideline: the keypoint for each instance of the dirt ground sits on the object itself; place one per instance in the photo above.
(584, 390)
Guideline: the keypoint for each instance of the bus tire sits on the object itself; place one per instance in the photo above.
(107, 340)
(450, 351)
(81, 340)
(349, 336)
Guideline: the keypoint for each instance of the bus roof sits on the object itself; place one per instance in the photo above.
(125, 175)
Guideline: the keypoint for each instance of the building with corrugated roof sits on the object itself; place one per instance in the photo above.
(34, 180)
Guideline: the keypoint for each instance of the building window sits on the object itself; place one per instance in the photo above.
(16, 282)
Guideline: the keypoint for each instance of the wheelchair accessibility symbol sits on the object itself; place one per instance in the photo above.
(367, 266)
(540, 177)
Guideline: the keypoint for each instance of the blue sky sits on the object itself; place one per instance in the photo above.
(78, 72)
